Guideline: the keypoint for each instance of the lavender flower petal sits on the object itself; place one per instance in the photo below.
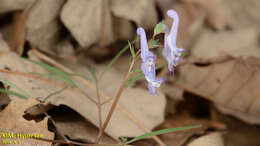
(148, 65)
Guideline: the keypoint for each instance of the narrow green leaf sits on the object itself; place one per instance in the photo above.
(184, 54)
(14, 86)
(13, 93)
(54, 93)
(159, 132)
(158, 28)
(93, 73)
(115, 59)
(49, 75)
(64, 75)
(132, 50)
(135, 71)
(153, 43)
(133, 80)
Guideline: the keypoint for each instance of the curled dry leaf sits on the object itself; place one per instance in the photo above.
(132, 105)
(231, 84)
(12, 121)
(212, 139)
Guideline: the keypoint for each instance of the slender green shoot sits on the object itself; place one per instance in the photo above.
(120, 53)
(13, 93)
(131, 81)
(132, 50)
(14, 86)
(54, 93)
(93, 73)
(163, 131)
(64, 75)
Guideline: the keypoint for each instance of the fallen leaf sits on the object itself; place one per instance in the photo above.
(235, 43)
(43, 26)
(181, 120)
(230, 84)
(88, 21)
(212, 139)
(77, 128)
(12, 120)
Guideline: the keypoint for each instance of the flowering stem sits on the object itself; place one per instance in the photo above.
(113, 107)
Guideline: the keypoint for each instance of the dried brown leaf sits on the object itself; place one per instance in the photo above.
(88, 21)
(43, 26)
(235, 43)
(11, 119)
(231, 84)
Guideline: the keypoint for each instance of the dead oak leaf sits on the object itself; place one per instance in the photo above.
(11, 119)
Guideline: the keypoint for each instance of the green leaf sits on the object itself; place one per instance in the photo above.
(14, 86)
(54, 93)
(13, 93)
(159, 132)
(64, 75)
(133, 80)
(93, 73)
(158, 28)
(135, 71)
(49, 75)
(132, 50)
(115, 59)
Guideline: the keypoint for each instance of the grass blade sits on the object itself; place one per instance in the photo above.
(93, 73)
(163, 131)
(132, 50)
(54, 93)
(80, 75)
(64, 75)
(14, 86)
(131, 81)
(115, 59)
(13, 93)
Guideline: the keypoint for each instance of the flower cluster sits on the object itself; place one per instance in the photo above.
(171, 53)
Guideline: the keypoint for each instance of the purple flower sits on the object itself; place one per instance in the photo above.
(148, 65)
(171, 52)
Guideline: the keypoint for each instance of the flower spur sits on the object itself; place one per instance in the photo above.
(171, 52)
(148, 65)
